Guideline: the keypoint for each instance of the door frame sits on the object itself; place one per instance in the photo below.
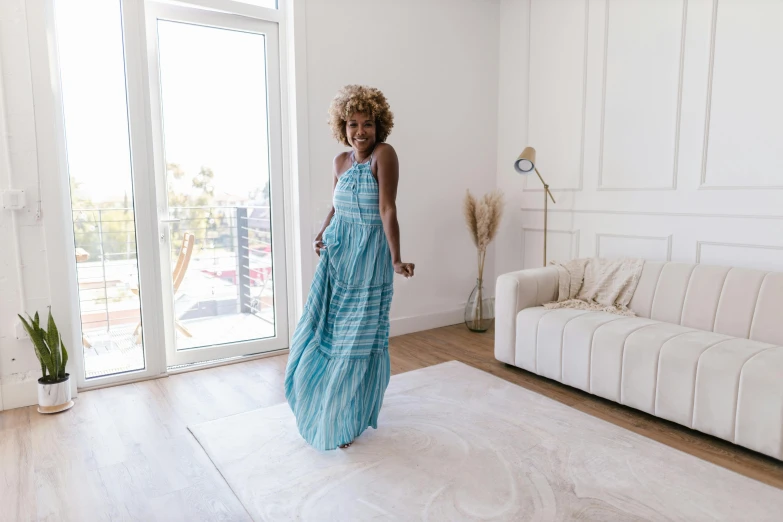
(53, 177)
(55, 192)
(161, 11)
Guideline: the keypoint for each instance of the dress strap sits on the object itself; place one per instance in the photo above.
(369, 161)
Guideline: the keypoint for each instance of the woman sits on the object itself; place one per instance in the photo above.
(338, 366)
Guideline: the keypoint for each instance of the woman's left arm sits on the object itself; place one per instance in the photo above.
(388, 174)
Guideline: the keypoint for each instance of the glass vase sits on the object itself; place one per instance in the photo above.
(479, 310)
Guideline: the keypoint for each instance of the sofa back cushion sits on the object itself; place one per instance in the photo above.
(733, 301)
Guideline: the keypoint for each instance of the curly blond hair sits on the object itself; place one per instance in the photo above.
(359, 98)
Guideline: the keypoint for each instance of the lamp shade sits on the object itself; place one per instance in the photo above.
(526, 161)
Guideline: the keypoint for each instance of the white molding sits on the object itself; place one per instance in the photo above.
(660, 214)
(19, 394)
(580, 186)
(640, 189)
(549, 230)
(7, 174)
(708, 109)
(21, 389)
(678, 117)
(584, 98)
(699, 244)
(24, 392)
(300, 266)
(291, 223)
(668, 240)
(551, 189)
(55, 189)
(680, 78)
(418, 323)
(605, 65)
(703, 184)
(573, 251)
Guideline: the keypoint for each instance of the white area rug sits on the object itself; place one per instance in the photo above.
(455, 443)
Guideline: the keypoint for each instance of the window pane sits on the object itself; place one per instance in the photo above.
(92, 74)
(216, 139)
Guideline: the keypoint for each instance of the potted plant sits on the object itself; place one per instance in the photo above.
(483, 220)
(54, 386)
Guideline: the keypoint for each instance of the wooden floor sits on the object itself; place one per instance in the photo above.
(125, 453)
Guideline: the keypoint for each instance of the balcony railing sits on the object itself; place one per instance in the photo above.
(229, 272)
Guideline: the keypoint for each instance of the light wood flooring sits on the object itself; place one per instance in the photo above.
(124, 453)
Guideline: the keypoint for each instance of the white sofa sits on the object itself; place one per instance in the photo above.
(705, 350)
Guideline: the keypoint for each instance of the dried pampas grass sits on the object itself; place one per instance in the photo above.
(469, 209)
(483, 219)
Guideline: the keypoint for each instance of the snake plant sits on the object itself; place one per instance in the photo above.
(49, 348)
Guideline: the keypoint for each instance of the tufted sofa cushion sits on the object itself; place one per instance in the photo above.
(704, 350)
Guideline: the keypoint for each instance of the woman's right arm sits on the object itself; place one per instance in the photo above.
(318, 243)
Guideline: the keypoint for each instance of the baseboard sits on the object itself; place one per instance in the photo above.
(418, 323)
(19, 394)
(25, 392)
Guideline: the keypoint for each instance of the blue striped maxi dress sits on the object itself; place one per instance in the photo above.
(338, 365)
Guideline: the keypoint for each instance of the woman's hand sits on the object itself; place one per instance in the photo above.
(404, 269)
(318, 245)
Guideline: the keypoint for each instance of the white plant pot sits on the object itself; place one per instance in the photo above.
(54, 397)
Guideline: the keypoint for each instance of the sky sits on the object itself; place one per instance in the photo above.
(213, 97)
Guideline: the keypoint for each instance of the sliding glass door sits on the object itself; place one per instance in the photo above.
(98, 112)
(173, 137)
(219, 160)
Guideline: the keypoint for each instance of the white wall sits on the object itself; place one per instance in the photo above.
(657, 123)
(436, 61)
(18, 365)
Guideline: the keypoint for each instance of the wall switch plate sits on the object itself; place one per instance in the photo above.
(13, 199)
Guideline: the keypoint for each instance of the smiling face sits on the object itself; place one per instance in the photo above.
(360, 130)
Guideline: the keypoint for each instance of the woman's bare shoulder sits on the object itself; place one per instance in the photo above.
(385, 160)
(385, 150)
(384, 155)
(341, 163)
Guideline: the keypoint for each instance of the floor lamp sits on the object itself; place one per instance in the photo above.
(525, 164)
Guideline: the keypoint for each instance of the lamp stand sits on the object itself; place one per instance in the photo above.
(546, 208)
